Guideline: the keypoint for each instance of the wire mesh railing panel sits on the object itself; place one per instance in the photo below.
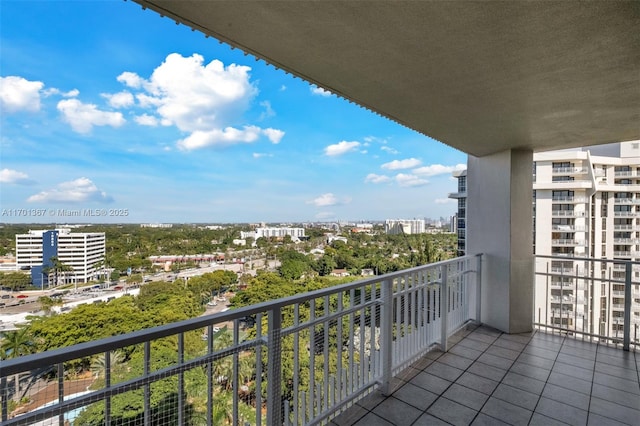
(589, 299)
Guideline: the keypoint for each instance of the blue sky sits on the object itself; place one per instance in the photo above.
(108, 106)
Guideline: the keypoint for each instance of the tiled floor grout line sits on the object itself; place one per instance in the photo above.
(505, 375)
(464, 371)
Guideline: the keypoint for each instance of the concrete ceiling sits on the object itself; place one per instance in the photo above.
(479, 76)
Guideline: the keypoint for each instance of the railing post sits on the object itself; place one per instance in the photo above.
(4, 394)
(274, 368)
(627, 306)
(444, 309)
(478, 288)
(386, 335)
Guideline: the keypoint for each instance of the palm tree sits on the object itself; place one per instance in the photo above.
(99, 364)
(14, 344)
(56, 267)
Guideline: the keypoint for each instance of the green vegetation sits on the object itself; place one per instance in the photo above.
(163, 302)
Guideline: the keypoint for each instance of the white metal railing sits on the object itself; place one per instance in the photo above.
(567, 242)
(311, 355)
(580, 310)
(568, 170)
(568, 228)
(568, 199)
(626, 253)
(626, 241)
(626, 173)
(567, 213)
(626, 200)
(630, 227)
(626, 214)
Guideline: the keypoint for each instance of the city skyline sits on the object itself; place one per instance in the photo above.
(107, 107)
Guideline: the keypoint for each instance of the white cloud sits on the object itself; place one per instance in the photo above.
(82, 117)
(438, 169)
(204, 100)
(14, 177)
(374, 178)
(319, 91)
(53, 91)
(401, 164)
(130, 79)
(329, 199)
(122, 99)
(195, 96)
(268, 110)
(444, 201)
(274, 135)
(341, 148)
(389, 149)
(19, 94)
(220, 137)
(75, 191)
(261, 154)
(410, 180)
(146, 120)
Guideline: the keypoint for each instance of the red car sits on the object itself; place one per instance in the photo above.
(21, 296)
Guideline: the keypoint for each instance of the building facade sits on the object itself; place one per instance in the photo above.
(82, 253)
(406, 226)
(586, 204)
(276, 232)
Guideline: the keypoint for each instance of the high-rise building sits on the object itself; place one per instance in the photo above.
(586, 204)
(82, 252)
(461, 197)
(406, 226)
(276, 232)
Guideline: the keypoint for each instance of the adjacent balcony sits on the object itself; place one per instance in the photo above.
(568, 199)
(633, 201)
(626, 214)
(402, 348)
(567, 242)
(567, 213)
(569, 170)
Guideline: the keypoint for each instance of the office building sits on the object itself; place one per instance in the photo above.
(406, 226)
(82, 252)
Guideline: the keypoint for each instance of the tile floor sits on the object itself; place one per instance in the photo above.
(492, 378)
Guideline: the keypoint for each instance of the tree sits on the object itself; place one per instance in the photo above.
(14, 280)
(56, 268)
(99, 364)
(115, 275)
(14, 344)
(47, 303)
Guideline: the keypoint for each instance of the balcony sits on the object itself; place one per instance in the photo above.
(569, 228)
(633, 201)
(567, 213)
(626, 173)
(399, 362)
(625, 214)
(569, 170)
(626, 241)
(568, 199)
(567, 242)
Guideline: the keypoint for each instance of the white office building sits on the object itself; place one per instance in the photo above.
(276, 232)
(83, 252)
(406, 226)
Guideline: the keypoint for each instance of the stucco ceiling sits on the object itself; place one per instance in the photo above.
(479, 76)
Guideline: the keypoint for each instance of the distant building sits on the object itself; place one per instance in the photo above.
(461, 216)
(82, 251)
(294, 233)
(340, 273)
(406, 226)
(453, 224)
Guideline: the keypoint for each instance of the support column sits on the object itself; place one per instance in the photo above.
(500, 225)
